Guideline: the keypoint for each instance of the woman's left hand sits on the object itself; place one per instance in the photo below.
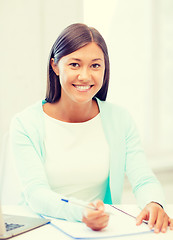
(156, 217)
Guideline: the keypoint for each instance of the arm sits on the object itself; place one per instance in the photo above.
(145, 185)
(28, 156)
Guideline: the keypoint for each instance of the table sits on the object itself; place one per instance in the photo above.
(49, 232)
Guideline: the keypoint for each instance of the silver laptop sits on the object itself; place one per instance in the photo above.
(11, 225)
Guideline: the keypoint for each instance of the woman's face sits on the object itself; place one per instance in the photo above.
(81, 73)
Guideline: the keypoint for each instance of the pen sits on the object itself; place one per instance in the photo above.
(82, 205)
(144, 221)
(93, 208)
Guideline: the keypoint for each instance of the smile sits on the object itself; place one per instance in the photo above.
(82, 87)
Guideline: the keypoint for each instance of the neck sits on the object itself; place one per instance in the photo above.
(76, 112)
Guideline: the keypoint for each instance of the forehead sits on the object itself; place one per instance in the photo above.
(89, 51)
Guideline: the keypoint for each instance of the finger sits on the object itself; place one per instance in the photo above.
(100, 219)
(152, 217)
(96, 228)
(142, 216)
(165, 224)
(101, 222)
(159, 221)
(96, 216)
(99, 205)
(97, 224)
(170, 222)
(92, 214)
(92, 225)
(89, 213)
(105, 225)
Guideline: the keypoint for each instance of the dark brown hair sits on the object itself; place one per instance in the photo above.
(71, 39)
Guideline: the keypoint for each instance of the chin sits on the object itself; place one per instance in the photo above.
(83, 99)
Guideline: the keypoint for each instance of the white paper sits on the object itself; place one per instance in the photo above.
(120, 224)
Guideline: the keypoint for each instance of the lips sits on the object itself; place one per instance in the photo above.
(83, 88)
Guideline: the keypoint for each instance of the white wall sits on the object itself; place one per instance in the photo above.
(127, 29)
(27, 31)
(139, 35)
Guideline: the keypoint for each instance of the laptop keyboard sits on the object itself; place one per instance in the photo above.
(12, 226)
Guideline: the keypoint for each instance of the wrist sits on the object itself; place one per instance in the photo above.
(158, 204)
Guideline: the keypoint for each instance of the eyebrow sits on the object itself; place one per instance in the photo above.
(93, 60)
(96, 59)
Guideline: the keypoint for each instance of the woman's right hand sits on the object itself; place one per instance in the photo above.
(96, 219)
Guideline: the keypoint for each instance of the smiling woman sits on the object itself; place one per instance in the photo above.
(81, 75)
(76, 145)
(70, 40)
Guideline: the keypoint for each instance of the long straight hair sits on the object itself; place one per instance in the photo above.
(71, 39)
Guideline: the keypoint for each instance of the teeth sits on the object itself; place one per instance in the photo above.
(82, 87)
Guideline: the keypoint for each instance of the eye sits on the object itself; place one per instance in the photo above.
(95, 65)
(75, 65)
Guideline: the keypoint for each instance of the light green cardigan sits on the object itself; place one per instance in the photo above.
(126, 156)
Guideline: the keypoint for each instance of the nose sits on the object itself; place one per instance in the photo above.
(84, 74)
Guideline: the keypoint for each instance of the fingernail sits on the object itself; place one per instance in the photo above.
(164, 230)
(150, 226)
(101, 208)
(137, 222)
(156, 230)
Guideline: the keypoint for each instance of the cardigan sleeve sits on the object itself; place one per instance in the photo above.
(35, 187)
(145, 185)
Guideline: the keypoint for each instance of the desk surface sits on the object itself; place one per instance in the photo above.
(47, 231)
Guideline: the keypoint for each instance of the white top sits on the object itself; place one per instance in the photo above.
(77, 158)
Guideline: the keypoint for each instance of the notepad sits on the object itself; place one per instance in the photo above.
(120, 224)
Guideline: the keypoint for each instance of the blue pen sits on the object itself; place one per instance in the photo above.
(82, 205)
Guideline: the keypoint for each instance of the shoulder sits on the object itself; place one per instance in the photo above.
(111, 109)
(31, 115)
(115, 115)
(35, 108)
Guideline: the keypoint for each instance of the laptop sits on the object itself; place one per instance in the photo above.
(11, 225)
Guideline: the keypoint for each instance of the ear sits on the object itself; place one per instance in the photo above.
(54, 66)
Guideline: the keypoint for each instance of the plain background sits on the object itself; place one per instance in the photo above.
(139, 35)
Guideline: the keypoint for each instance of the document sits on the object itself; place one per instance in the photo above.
(120, 224)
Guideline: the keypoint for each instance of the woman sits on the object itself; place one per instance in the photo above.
(75, 145)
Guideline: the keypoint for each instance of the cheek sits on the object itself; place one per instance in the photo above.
(66, 78)
(100, 78)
